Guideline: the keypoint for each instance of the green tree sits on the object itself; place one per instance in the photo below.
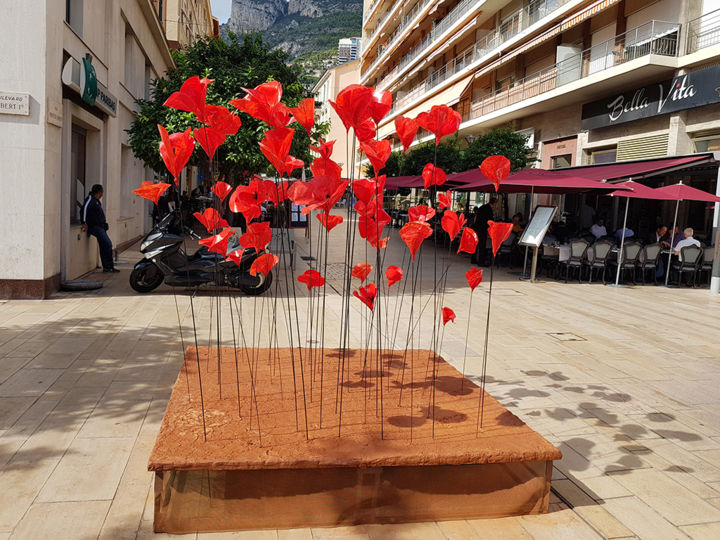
(393, 167)
(241, 62)
(502, 141)
(448, 157)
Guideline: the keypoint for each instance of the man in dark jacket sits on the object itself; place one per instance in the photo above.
(94, 222)
(480, 225)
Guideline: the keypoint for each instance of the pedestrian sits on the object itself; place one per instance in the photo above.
(480, 225)
(94, 222)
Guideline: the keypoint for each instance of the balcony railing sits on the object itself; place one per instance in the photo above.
(654, 37)
(370, 9)
(703, 32)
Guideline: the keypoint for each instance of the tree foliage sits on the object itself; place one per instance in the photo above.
(241, 62)
(502, 141)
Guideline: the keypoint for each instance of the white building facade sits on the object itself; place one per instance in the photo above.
(56, 143)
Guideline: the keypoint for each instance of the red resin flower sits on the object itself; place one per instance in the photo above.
(372, 220)
(498, 232)
(258, 236)
(444, 200)
(353, 105)
(276, 147)
(377, 153)
(366, 131)
(176, 150)
(151, 191)
(222, 120)
(414, 233)
(218, 243)
(263, 103)
(452, 223)
(367, 188)
(433, 176)
(221, 190)
(393, 275)
(474, 277)
(329, 221)
(367, 295)
(448, 315)
(381, 105)
(496, 169)
(406, 129)
(468, 241)
(210, 139)
(236, 257)
(211, 219)
(191, 97)
(246, 199)
(420, 212)
(325, 149)
(305, 114)
(311, 278)
(361, 271)
(275, 192)
(263, 264)
(441, 121)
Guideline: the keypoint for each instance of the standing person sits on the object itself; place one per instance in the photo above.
(94, 222)
(480, 225)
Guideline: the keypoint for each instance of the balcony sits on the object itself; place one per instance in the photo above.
(703, 32)
(652, 38)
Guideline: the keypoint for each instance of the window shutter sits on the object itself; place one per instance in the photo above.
(643, 148)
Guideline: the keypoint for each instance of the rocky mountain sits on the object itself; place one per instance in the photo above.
(305, 29)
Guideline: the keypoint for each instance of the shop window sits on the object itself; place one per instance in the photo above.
(74, 15)
(710, 143)
(77, 173)
(559, 162)
(609, 155)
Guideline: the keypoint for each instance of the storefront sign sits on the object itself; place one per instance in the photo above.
(14, 103)
(682, 92)
(81, 78)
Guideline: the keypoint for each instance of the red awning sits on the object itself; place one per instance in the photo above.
(634, 190)
(527, 180)
(683, 192)
(397, 182)
(636, 169)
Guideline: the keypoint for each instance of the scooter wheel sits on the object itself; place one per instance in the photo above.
(146, 279)
(260, 288)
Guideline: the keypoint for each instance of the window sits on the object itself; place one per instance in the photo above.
(608, 155)
(711, 143)
(77, 173)
(559, 162)
(74, 15)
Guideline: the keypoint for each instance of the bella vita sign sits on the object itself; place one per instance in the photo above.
(682, 92)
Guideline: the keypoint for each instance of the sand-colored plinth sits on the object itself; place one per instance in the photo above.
(419, 463)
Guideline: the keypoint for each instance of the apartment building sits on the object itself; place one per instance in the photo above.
(66, 98)
(349, 49)
(186, 20)
(592, 81)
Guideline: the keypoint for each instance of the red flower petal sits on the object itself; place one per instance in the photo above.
(221, 189)
(246, 199)
(353, 105)
(367, 295)
(258, 236)
(373, 219)
(377, 152)
(176, 150)
(468, 241)
(325, 149)
(263, 103)
(498, 232)
(191, 97)
(218, 243)
(367, 188)
(311, 278)
(276, 147)
(329, 221)
(474, 277)
(210, 139)
(406, 129)
(393, 275)
(263, 264)
(222, 120)
(381, 105)
(305, 114)
(433, 176)
(361, 271)
(448, 315)
(441, 121)
(452, 223)
(366, 131)
(496, 169)
(444, 200)
(211, 219)
(151, 191)
(420, 212)
(414, 233)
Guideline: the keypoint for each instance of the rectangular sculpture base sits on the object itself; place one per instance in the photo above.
(419, 464)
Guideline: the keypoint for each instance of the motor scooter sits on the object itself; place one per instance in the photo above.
(165, 260)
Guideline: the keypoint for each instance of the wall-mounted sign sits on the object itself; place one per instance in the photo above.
(81, 78)
(14, 103)
(682, 92)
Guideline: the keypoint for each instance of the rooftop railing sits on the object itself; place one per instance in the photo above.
(654, 37)
(703, 32)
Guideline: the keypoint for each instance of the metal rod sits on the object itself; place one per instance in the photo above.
(622, 243)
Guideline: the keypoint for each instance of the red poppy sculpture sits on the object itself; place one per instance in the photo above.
(474, 277)
(377, 153)
(448, 315)
(325, 149)
(433, 176)
(414, 234)
(421, 212)
(452, 223)
(353, 104)
(380, 105)
(276, 147)
(151, 191)
(176, 150)
(305, 114)
(191, 97)
(361, 271)
(406, 129)
(263, 264)
(393, 274)
(311, 278)
(444, 200)
(367, 295)
(221, 190)
(263, 103)
(440, 121)
(498, 232)
(258, 236)
(218, 243)
(468, 241)
(329, 221)
(496, 169)
(211, 220)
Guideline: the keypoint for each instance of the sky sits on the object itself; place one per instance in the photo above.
(221, 9)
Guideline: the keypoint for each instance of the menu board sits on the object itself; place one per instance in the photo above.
(535, 231)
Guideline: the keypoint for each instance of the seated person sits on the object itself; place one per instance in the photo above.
(660, 236)
(598, 230)
(516, 221)
(688, 240)
(626, 232)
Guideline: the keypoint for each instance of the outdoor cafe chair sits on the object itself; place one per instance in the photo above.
(706, 263)
(630, 256)
(578, 249)
(549, 260)
(691, 259)
(601, 251)
(649, 261)
(506, 248)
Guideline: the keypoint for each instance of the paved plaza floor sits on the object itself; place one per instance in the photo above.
(625, 381)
